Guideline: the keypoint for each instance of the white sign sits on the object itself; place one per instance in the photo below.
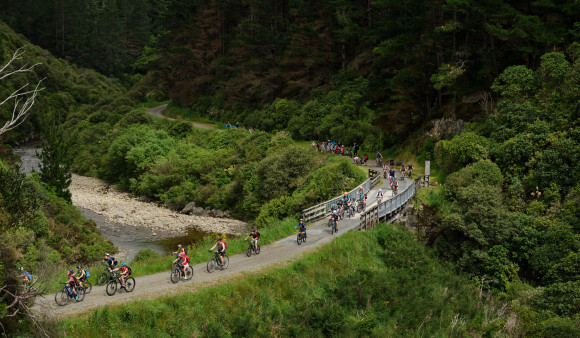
(427, 168)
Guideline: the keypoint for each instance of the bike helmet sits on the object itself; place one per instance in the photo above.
(181, 254)
(179, 246)
(123, 264)
(334, 212)
(79, 266)
(70, 271)
(302, 219)
(253, 230)
(107, 254)
(345, 193)
(219, 238)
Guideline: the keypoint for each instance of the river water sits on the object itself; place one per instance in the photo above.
(128, 239)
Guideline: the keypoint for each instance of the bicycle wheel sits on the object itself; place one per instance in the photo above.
(226, 262)
(174, 275)
(61, 298)
(88, 287)
(211, 265)
(102, 278)
(189, 272)
(130, 284)
(304, 238)
(111, 287)
(80, 294)
(298, 239)
(329, 223)
(258, 250)
(249, 251)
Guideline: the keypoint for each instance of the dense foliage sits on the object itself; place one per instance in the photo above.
(67, 88)
(514, 193)
(235, 170)
(226, 59)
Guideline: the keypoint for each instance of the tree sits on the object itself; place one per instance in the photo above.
(22, 97)
(55, 163)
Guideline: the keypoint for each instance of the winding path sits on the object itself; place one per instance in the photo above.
(158, 111)
(157, 285)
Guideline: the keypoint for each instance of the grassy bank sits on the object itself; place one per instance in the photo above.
(367, 283)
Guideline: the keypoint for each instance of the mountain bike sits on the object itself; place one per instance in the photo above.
(105, 276)
(301, 238)
(177, 272)
(350, 211)
(65, 295)
(334, 227)
(251, 249)
(87, 287)
(215, 261)
(112, 286)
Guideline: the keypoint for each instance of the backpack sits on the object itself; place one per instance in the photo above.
(225, 245)
(87, 273)
(130, 271)
(258, 234)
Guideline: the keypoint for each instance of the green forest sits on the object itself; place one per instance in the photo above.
(500, 230)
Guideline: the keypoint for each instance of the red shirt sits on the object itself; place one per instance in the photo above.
(124, 270)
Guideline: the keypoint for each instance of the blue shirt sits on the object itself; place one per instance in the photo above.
(111, 261)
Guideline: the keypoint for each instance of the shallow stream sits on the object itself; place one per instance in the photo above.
(129, 240)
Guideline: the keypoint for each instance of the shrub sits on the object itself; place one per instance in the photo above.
(145, 254)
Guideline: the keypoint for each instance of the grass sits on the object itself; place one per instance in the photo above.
(378, 283)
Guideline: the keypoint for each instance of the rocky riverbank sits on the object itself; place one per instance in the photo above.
(159, 223)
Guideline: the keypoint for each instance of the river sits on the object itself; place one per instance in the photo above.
(132, 224)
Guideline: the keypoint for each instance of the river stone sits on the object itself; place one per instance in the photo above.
(210, 213)
(197, 211)
(219, 214)
(188, 208)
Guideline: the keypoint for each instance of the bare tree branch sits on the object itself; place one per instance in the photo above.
(23, 99)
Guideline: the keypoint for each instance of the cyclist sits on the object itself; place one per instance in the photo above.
(346, 198)
(26, 277)
(72, 282)
(365, 159)
(184, 262)
(82, 275)
(361, 193)
(255, 236)
(409, 170)
(335, 218)
(124, 269)
(333, 208)
(221, 249)
(111, 261)
(180, 249)
(379, 158)
(395, 187)
(301, 227)
(392, 173)
(380, 195)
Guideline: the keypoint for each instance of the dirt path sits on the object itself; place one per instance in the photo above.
(158, 111)
(157, 285)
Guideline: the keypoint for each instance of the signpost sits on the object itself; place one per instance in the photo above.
(427, 172)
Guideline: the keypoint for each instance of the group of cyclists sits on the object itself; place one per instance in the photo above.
(358, 202)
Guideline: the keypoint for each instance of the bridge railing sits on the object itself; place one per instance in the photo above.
(323, 209)
(372, 216)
